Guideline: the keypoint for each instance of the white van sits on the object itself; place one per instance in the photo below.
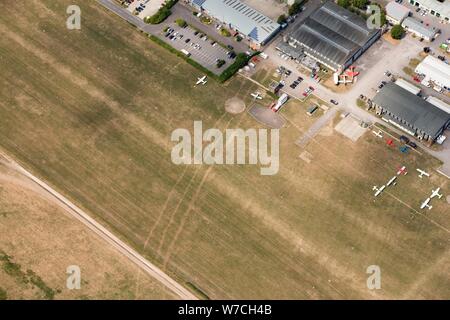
(187, 54)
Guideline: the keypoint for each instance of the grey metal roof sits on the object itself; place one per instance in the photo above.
(286, 48)
(333, 33)
(245, 19)
(417, 112)
(414, 24)
(397, 11)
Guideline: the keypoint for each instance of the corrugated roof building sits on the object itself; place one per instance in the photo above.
(396, 13)
(334, 36)
(440, 9)
(439, 103)
(410, 113)
(407, 86)
(419, 29)
(435, 70)
(252, 24)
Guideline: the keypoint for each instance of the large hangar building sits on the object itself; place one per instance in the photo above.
(333, 36)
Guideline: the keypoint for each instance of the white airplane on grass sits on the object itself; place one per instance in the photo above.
(256, 96)
(378, 134)
(425, 204)
(201, 81)
(422, 173)
(392, 181)
(379, 190)
(435, 193)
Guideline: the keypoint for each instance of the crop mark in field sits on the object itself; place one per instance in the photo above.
(186, 216)
(192, 202)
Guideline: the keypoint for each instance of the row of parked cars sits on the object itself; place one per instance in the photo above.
(140, 8)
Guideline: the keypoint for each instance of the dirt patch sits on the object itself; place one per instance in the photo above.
(235, 106)
(267, 117)
(387, 36)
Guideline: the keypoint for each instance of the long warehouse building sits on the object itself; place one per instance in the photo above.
(410, 113)
(333, 36)
(434, 70)
(238, 16)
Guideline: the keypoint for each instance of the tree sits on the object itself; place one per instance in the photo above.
(344, 3)
(361, 4)
(282, 19)
(397, 32)
(295, 7)
(224, 32)
(181, 23)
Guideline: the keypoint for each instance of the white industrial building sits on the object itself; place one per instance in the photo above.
(439, 103)
(408, 86)
(419, 29)
(396, 13)
(238, 16)
(438, 8)
(434, 70)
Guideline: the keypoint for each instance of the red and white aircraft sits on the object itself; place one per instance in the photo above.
(402, 171)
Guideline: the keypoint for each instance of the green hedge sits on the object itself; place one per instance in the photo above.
(241, 61)
(162, 13)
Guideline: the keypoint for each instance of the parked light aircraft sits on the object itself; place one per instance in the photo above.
(435, 193)
(256, 96)
(378, 190)
(422, 173)
(201, 81)
(425, 204)
(402, 170)
(378, 134)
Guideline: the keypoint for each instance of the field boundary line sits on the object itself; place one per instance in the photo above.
(102, 232)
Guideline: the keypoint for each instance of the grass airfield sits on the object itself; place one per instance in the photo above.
(92, 112)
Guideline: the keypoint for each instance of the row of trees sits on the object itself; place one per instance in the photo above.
(295, 8)
(360, 4)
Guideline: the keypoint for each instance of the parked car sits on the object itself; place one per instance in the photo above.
(334, 102)
(412, 144)
(404, 139)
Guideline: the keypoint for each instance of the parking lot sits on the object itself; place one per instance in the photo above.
(149, 7)
(201, 48)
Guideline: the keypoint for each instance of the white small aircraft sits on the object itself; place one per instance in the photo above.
(378, 134)
(256, 96)
(435, 193)
(422, 173)
(425, 204)
(379, 190)
(201, 81)
(392, 181)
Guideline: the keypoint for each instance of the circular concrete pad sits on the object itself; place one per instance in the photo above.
(235, 106)
(267, 117)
